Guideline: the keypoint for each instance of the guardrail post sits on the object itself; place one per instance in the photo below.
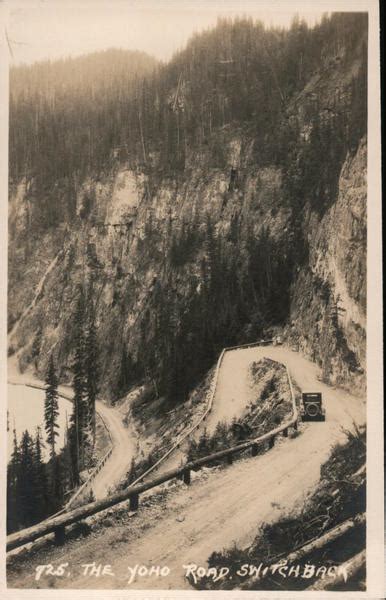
(184, 473)
(60, 534)
(134, 499)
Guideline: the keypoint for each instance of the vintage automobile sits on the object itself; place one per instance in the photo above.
(312, 409)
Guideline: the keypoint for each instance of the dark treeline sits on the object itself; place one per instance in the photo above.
(85, 386)
(240, 290)
(83, 117)
(27, 486)
(77, 117)
(66, 117)
(37, 488)
(244, 75)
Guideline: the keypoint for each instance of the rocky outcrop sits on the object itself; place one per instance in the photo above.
(118, 248)
(179, 264)
(328, 305)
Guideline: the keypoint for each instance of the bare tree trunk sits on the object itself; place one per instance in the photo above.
(351, 567)
(327, 538)
(141, 133)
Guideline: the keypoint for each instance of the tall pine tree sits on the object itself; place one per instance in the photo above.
(91, 372)
(25, 482)
(13, 500)
(51, 413)
(40, 478)
(51, 408)
(78, 387)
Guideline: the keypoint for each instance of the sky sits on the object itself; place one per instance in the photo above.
(49, 29)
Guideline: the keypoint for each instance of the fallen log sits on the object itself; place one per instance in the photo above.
(59, 521)
(350, 567)
(318, 543)
(50, 525)
(327, 538)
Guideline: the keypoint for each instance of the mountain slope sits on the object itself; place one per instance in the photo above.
(282, 477)
(217, 220)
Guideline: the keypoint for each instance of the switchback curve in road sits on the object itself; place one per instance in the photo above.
(232, 503)
(233, 392)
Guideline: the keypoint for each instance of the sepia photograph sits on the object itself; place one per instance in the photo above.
(192, 396)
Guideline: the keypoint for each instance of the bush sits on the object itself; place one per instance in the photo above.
(144, 398)
(338, 497)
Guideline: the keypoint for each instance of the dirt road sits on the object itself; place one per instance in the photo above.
(226, 507)
(124, 449)
(123, 438)
(233, 392)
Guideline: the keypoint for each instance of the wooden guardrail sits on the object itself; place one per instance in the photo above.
(210, 398)
(58, 524)
(86, 485)
(186, 434)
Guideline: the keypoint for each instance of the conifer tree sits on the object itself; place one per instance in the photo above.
(51, 408)
(51, 413)
(40, 478)
(25, 482)
(91, 373)
(15, 458)
(78, 415)
(67, 459)
(58, 485)
(85, 386)
(74, 448)
(13, 504)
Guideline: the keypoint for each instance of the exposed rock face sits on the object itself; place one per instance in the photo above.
(120, 250)
(149, 250)
(328, 305)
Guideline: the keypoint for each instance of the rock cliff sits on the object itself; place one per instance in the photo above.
(177, 264)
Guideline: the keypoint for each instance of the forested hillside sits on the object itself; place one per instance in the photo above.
(66, 117)
(189, 202)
